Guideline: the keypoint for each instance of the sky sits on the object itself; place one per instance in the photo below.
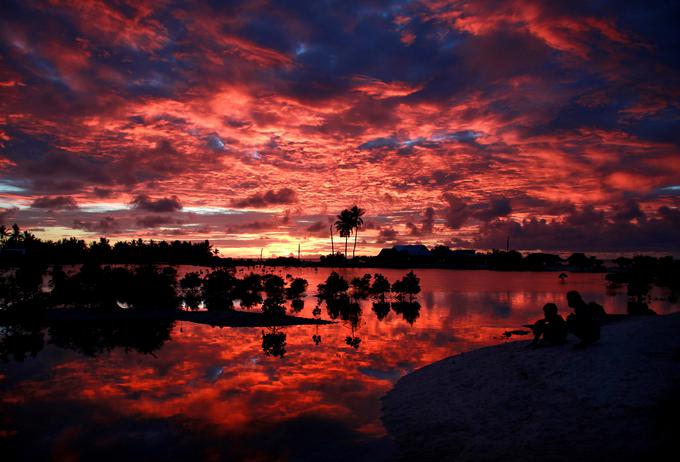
(252, 124)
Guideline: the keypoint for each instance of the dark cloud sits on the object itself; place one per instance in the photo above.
(163, 205)
(55, 203)
(426, 224)
(257, 225)
(317, 226)
(629, 211)
(457, 212)
(103, 193)
(387, 235)
(7, 214)
(495, 208)
(271, 197)
(53, 170)
(106, 225)
(216, 143)
(587, 229)
(154, 221)
(50, 169)
(406, 145)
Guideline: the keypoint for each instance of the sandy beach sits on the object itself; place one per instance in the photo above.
(616, 400)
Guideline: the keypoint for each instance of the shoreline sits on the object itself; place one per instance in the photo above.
(227, 318)
(247, 263)
(617, 399)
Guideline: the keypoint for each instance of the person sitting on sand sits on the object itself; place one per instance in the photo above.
(551, 330)
(584, 322)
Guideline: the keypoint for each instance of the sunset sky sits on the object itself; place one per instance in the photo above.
(253, 124)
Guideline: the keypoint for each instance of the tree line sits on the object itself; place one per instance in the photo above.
(17, 245)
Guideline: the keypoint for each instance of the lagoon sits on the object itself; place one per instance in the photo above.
(211, 393)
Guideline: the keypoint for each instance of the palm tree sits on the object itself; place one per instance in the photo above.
(357, 223)
(3, 233)
(16, 233)
(344, 226)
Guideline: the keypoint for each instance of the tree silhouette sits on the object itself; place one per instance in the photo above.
(273, 305)
(407, 287)
(361, 287)
(344, 225)
(381, 309)
(409, 310)
(357, 223)
(249, 290)
(16, 234)
(334, 287)
(190, 285)
(218, 290)
(274, 342)
(381, 287)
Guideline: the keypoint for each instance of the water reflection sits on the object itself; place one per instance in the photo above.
(274, 342)
(92, 339)
(18, 342)
(381, 309)
(410, 311)
(316, 338)
(216, 393)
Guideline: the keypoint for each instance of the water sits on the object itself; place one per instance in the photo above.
(211, 393)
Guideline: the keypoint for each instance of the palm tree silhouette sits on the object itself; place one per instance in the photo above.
(357, 223)
(344, 225)
(16, 233)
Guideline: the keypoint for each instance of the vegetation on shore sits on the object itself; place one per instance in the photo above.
(639, 274)
(17, 247)
(144, 287)
(96, 308)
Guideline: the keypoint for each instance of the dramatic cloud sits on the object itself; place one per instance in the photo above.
(106, 225)
(316, 227)
(587, 230)
(457, 212)
(7, 214)
(154, 221)
(387, 235)
(497, 207)
(259, 200)
(166, 204)
(426, 225)
(449, 121)
(55, 203)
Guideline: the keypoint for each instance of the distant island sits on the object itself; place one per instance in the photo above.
(18, 246)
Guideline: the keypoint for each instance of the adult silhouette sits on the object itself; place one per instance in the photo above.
(584, 322)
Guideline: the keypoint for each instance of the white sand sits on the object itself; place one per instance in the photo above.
(616, 400)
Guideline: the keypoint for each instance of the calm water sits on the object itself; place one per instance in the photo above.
(212, 393)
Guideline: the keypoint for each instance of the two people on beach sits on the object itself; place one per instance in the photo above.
(584, 322)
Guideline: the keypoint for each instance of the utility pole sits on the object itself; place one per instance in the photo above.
(298, 251)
